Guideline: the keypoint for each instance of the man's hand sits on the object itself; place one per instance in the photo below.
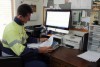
(45, 49)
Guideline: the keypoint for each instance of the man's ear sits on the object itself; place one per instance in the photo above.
(20, 16)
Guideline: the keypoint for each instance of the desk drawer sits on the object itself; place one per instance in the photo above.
(58, 63)
(68, 65)
(55, 63)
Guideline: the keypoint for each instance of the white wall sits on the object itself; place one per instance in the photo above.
(39, 10)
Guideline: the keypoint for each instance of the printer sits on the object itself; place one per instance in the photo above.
(72, 41)
(76, 41)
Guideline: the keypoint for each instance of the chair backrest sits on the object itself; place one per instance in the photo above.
(37, 32)
(1, 48)
(5, 51)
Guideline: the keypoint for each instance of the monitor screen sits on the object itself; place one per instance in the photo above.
(58, 18)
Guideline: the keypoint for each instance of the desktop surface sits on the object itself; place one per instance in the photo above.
(66, 57)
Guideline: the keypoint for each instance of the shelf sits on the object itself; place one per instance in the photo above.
(94, 40)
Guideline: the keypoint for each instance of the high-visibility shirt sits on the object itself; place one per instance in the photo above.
(14, 37)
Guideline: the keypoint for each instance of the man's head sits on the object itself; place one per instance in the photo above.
(24, 12)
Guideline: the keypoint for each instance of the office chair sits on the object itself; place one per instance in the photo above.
(35, 34)
(9, 61)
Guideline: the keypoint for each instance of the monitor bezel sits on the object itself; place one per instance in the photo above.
(60, 10)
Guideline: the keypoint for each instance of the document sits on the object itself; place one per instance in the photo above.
(85, 19)
(85, 4)
(75, 4)
(46, 43)
(81, 4)
(33, 45)
(91, 56)
(59, 2)
(34, 16)
(45, 3)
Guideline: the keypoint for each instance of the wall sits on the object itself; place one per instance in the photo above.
(81, 10)
(39, 6)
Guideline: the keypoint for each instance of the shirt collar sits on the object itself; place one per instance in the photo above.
(18, 21)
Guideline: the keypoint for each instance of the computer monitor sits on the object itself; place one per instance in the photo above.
(58, 19)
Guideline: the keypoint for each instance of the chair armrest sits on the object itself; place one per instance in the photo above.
(10, 62)
(9, 57)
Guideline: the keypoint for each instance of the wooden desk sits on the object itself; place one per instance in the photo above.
(66, 57)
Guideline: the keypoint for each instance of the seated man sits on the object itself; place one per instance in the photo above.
(15, 39)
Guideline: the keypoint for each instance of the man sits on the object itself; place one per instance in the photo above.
(15, 39)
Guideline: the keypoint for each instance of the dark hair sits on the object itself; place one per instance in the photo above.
(24, 9)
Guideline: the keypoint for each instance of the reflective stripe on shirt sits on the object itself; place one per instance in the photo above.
(23, 40)
(12, 43)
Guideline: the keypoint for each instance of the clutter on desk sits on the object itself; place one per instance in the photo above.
(90, 56)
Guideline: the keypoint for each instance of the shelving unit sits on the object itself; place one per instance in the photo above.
(95, 14)
(94, 38)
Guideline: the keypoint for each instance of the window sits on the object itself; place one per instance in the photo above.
(5, 14)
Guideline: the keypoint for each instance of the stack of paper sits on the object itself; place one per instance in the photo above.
(46, 43)
(90, 56)
(33, 45)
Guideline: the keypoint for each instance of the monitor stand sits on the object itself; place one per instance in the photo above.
(56, 31)
(61, 31)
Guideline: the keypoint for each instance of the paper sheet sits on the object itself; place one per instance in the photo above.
(34, 16)
(84, 13)
(45, 3)
(90, 56)
(46, 43)
(81, 4)
(75, 4)
(28, 30)
(85, 19)
(85, 4)
(33, 45)
(59, 2)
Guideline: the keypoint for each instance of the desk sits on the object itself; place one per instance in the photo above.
(66, 57)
